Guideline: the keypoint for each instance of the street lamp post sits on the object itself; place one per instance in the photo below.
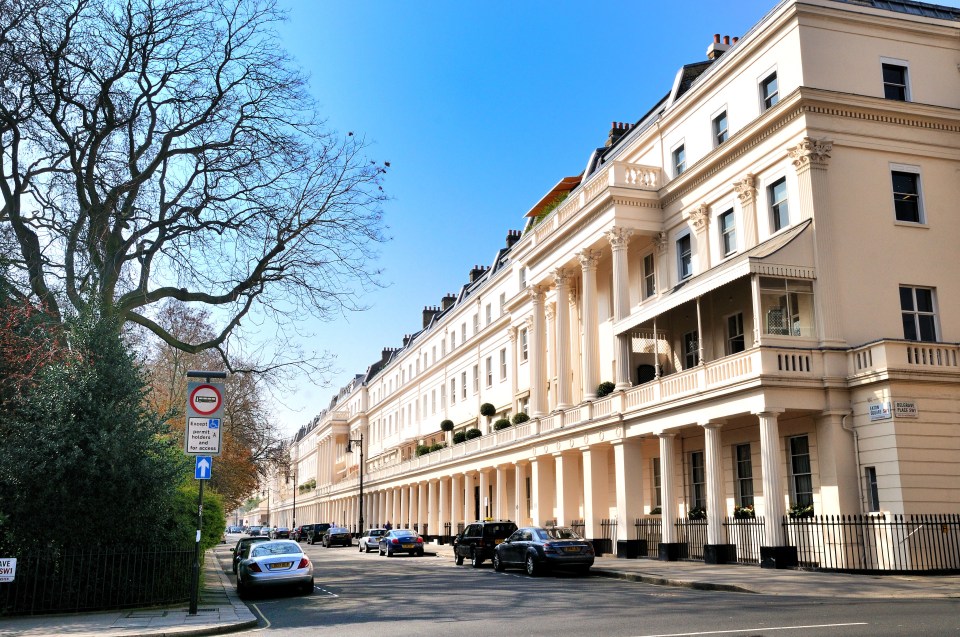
(349, 450)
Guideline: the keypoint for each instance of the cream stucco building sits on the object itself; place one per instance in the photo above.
(765, 266)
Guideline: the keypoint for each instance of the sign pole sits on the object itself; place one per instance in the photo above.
(204, 402)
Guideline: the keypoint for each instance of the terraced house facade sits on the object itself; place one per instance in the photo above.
(764, 267)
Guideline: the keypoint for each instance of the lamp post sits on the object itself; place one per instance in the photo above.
(349, 450)
(293, 527)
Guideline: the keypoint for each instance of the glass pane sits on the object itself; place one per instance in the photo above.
(924, 299)
(906, 299)
(928, 330)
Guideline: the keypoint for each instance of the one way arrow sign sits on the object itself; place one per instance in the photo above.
(204, 467)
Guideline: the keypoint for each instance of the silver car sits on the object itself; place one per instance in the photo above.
(275, 563)
(370, 540)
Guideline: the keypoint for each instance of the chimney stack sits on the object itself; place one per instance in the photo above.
(512, 237)
(448, 301)
(429, 312)
(406, 340)
(718, 47)
(476, 272)
(617, 130)
(385, 354)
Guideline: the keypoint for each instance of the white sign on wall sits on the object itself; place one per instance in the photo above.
(8, 569)
(880, 411)
(905, 409)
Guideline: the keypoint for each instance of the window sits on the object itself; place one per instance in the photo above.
(906, 196)
(895, 82)
(691, 350)
(698, 481)
(434, 348)
(873, 494)
(524, 351)
(503, 303)
(453, 391)
(443, 398)
(744, 494)
(786, 306)
(720, 130)
(453, 341)
(488, 314)
(777, 196)
(657, 497)
(463, 333)
(489, 370)
(769, 91)
(918, 313)
(679, 160)
(503, 364)
(728, 233)
(684, 257)
(801, 480)
(735, 340)
(476, 324)
(433, 401)
(463, 385)
(443, 347)
(523, 278)
(649, 276)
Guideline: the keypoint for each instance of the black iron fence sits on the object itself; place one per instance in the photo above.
(579, 526)
(877, 544)
(59, 582)
(747, 535)
(692, 535)
(650, 532)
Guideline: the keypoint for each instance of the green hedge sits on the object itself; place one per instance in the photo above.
(503, 423)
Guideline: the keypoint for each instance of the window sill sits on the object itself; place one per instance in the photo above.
(911, 224)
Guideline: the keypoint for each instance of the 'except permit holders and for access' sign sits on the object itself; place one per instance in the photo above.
(204, 417)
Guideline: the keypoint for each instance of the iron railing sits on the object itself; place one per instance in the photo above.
(692, 535)
(579, 526)
(747, 535)
(447, 528)
(460, 527)
(649, 530)
(62, 582)
(875, 544)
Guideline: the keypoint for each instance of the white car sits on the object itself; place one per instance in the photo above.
(275, 563)
(370, 540)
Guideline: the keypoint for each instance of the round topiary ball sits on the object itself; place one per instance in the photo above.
(446, 425)
(473, 433)
(503, 423)
(605, 388)
(459, 437)
(486, 409)
(520, 417)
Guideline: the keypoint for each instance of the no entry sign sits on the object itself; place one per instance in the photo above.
(204, 415)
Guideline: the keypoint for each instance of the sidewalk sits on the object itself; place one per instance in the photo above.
(756, 580)
(219, 611)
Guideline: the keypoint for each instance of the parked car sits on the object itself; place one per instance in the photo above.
(400, 541)
(337, 535)
(255, 531)
(280, 533)
(315, 532)
(370, 539)
(296, 534)
(479, 539)
(242, 549)
(275, 563)
(537, 549)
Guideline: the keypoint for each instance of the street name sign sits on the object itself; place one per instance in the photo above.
(204, 419)
(204, 468)
(8, 569)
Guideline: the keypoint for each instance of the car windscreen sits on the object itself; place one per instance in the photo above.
(559, 533)
(404, 534)
(338, 530)
(377, 532)
(499, 530)
(271, 548)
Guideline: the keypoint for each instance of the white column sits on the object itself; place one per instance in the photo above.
(746, 189)
(668, 496)
(576, 366)
(422, 517)
(595, 488)
(469, 499)
(550, 313)
(485, 505)
(456, 502)
(568, 487)
(500, 491)
(537, 373)
(521, 515)
(701, 224)
(543, 485)
(443, 506)
(562, 342)
(404, 508)
(773, 506)
(512, 332)
(716, 505)
(412, 505)
(588, 265)
(628, 472)
(618, 238)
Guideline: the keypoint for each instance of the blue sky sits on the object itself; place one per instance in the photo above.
(480, 108)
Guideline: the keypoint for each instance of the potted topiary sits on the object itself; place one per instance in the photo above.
(459, 437)
(446, 425)
(486, 409)
(520, 417)
(473, 433)
(502, 423)
(422, 450)
(437, 446)
(605, 388)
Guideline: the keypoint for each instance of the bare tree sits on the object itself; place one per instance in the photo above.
(166, 151)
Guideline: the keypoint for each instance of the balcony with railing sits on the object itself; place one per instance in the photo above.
(891, 357)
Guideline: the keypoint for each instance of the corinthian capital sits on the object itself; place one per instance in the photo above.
(588, 258)
(810, 152)
(746, 188)
(536, 293)
(660, 241)
(700, 217)
(618, 237)
(561, 277)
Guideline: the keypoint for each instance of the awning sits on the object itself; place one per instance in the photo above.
(787, 254)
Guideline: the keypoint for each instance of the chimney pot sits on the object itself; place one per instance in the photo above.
(716, 38)
(736, 39)
(726, 39)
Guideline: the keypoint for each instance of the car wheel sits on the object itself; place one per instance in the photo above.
(380, 552)
(459, 560)
(242, 589)
(583, 570)
(532, 568)
(475, 559)
(389, 553)
(497, 563)
(420, 553)
(308, 587)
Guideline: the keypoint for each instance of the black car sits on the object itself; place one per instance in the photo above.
(314, 532)
(280, 533)
(337, 535)
(479, 539)
(536, 549)
(242, 550)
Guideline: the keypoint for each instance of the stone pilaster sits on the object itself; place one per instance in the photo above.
(562, 343)
(588, 264)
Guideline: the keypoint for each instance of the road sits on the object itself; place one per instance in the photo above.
(371, 596)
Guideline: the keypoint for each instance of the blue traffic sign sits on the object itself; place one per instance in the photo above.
(204, 468)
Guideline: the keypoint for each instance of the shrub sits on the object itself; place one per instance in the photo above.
(697, 513)
(520, 417)
(656, 511)
(473, 433)
(437, 446)
(422, 450)
(801, 511)
(486, 409)
(744, 513)
(446, 425)
(459, 437)
(503, 423)
(605, 388)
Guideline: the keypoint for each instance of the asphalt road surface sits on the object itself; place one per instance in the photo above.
(364, 595)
